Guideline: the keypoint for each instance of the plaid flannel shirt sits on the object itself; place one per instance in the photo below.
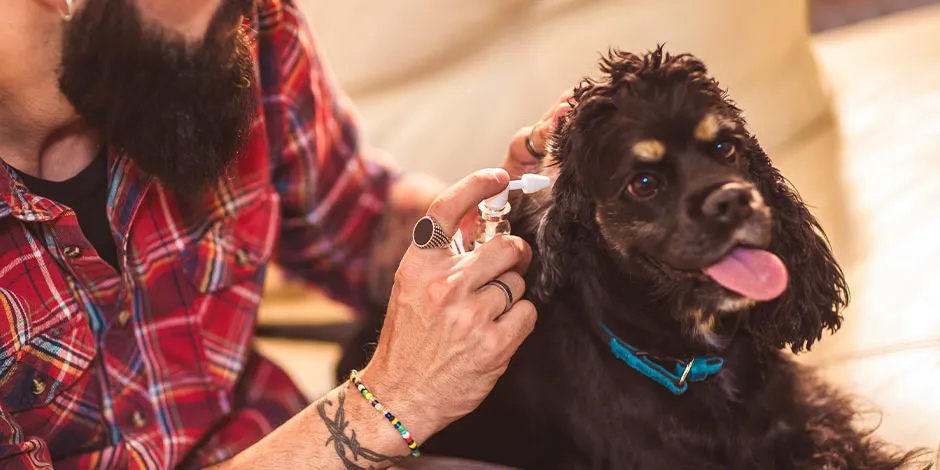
(153, 367)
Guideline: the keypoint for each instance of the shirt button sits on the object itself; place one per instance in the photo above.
(123, 318)
(39, 386)
(137, 419)
(72, 252)
(241, 258)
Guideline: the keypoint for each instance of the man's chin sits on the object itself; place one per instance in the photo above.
(185, 182)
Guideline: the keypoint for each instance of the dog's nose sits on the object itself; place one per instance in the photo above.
(731, 203)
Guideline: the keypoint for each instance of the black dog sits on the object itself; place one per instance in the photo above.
(673, 264)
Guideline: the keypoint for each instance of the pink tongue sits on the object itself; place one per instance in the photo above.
(756, 274)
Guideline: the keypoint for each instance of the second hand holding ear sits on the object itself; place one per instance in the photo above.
(520, 159)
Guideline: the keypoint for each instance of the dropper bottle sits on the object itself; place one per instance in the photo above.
(493, 211)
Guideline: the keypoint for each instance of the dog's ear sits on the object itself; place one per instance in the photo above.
(568, 224)
(562, 235)
(817, 292)
(565, 226)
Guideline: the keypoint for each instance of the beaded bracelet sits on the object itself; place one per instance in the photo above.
(354, 379)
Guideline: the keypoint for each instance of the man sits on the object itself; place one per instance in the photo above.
(133, 246)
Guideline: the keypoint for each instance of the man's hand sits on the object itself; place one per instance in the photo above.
(520, 159)
(447, 337)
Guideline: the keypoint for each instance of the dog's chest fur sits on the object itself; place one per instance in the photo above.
(567, 402)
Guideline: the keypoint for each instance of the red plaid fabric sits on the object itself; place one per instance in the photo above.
(154, 367)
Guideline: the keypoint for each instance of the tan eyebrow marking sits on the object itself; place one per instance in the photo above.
(707, 129)
(650, 150)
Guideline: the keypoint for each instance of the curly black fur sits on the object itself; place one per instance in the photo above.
(565, 401)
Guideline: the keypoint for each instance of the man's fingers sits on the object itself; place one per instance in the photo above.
(516, 324)
(451, 206)
(566, 95)
(494, 297)
(562, 100)
(543, 130)
(502, 253)
(521, 159)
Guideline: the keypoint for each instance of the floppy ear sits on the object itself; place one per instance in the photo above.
(817, 292)
(567, 227)
(564, 227)
(562, 235)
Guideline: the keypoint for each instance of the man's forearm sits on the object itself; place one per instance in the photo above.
(339, 431)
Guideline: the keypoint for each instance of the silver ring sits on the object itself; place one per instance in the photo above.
(506, 290)
(429, 234)
(530, 145)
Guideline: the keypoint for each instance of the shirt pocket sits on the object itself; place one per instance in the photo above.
(235, 248)
(40, 362)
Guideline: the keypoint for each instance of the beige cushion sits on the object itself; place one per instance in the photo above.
(443, 83)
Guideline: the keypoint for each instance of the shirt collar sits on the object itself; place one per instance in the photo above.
(17, 201)
(127, 186)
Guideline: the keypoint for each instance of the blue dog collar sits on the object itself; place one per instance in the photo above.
(696, 369)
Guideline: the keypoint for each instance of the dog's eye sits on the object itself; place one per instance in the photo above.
(644, 186)
(726, 150)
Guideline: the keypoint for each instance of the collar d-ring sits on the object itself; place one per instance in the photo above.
(685, 373)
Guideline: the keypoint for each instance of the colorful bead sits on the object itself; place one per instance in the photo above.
(354, 379)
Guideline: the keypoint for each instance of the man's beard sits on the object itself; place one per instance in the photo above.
(181, 110)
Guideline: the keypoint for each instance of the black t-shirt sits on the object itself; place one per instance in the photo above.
(87, 195)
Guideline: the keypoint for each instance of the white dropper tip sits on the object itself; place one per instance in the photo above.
(529, 183)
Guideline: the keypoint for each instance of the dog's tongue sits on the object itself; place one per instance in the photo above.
(757, 274)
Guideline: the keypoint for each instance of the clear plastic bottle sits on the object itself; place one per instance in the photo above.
(492, 222)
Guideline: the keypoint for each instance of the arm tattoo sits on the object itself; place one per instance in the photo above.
(348, 448)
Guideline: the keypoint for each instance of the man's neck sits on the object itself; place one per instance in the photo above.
(42, 136)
